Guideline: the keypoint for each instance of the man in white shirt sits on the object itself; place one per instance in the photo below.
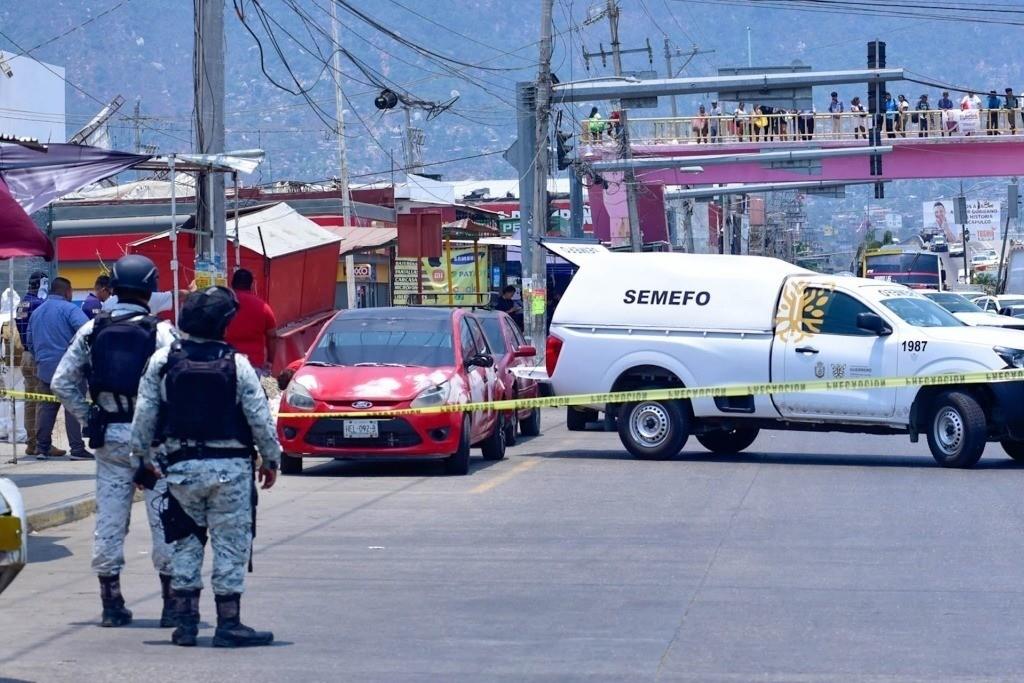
(158, 302)
(970, 101)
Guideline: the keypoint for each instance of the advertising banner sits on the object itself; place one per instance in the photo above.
(982, 220)
(430, 277)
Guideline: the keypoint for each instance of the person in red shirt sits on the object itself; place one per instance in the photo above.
(252, 330)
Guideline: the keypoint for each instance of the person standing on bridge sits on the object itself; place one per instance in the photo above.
(860, 116)
(739, 119)
(922, 116)
(890, 109)
(903, 121)
(1011, 106)
(835, 108)
(994, 105)
(716, 122)
(948, 122)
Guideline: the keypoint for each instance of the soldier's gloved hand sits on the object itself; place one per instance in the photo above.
(267, 477)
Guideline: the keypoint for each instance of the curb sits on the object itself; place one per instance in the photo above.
(64, 513)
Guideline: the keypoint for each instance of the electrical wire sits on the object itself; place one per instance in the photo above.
(74, 28)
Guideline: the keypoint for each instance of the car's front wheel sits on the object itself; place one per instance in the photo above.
(654, 430)
(458, 462)
(290, 464)
(494, 447)
(957, 431)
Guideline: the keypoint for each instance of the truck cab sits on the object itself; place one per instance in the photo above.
(630, 322)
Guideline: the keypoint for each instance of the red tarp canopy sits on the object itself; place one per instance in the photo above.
(19, 236)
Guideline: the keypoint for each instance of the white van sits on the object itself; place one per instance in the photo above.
(656, 320)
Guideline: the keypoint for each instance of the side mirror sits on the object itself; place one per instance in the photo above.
(481, 361)
(525, 351)
(872, 322)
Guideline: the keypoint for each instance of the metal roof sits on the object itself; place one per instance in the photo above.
(356, 238)
(276, 230)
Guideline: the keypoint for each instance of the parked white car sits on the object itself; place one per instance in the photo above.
(997, 303)
(659, 320)
(968, 312)
(13, 533)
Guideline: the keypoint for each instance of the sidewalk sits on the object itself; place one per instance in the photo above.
(55, 491)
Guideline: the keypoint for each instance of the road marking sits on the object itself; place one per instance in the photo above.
(505, 476)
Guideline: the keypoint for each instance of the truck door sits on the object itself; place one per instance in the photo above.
(824, 343)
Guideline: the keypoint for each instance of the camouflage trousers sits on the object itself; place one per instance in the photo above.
(216, 494)
(115, 492)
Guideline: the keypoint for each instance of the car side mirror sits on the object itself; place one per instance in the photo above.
(872, 322)
(481, 360)
(525, 351)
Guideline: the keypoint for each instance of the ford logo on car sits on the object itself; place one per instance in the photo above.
(362, 405)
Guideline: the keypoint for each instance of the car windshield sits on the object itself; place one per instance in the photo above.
(495, 337)
(921, 312)
(354, 340)
(954, 303)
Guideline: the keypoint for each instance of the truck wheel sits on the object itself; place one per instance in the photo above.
(458, 462)
(290, 464)
(494, 447)
(957, 432)
(531, 425)
(654, 430)
(1013, 448)
(728, 441)
(577, 420)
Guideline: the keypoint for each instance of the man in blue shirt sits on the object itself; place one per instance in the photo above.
(994, 104)
(100, 293)
(28, 305)
(51, 329)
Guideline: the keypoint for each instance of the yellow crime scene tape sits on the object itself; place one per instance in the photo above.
(687, 393)
(645, 394)
(28, 396)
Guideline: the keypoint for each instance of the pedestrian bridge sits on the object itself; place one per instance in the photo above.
(933, 144)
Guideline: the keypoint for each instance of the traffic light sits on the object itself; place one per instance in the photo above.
(562, 139)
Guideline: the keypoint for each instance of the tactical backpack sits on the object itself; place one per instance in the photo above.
(120, 346)
(200, 384)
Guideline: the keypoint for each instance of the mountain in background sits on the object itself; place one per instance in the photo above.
(143, 50)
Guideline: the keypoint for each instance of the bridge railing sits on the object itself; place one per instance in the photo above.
(796, 127)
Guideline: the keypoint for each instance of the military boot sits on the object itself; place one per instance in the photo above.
(167, 616)
(231, 632)
(114, 611)
(186, 617)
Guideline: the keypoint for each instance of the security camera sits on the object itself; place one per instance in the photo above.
(6, 67)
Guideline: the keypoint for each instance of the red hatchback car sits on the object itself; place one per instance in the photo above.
(511, 351)
(386, 359)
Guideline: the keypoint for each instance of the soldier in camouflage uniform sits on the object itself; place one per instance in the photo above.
(213, 411)
(110, 352)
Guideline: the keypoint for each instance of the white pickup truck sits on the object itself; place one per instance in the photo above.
(657, 320)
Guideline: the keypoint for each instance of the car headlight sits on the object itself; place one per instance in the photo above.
(1014, 358)
(434, 396)
(298, 396)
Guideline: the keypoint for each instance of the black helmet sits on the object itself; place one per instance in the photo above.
(134, 272)
(206, 313)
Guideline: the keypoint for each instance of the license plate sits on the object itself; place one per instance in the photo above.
(360, 429)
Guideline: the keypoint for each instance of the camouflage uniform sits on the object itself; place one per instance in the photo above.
(215, 493)
(114, 465)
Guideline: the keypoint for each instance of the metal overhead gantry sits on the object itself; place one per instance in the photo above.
(617, 88)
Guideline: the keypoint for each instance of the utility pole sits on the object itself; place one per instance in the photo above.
(339, 114)
(750, 54)
(535, 277)
(636, 241)
(209, 97)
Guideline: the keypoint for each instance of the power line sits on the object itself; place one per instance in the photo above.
(80, 88)
(74, 28)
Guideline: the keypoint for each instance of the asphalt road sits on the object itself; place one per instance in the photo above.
(812, 558)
